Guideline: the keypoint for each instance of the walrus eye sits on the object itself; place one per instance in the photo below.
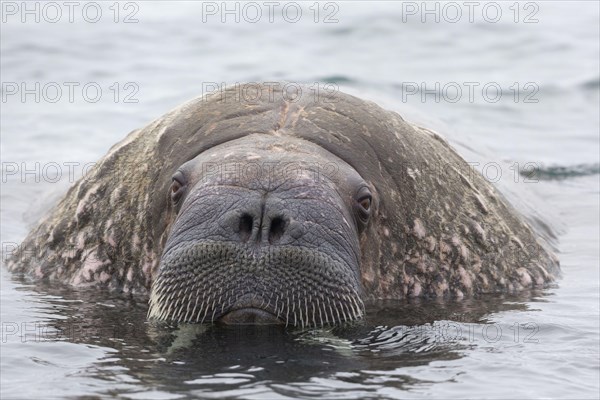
(178, 186)
(363, 206)
(366, 203)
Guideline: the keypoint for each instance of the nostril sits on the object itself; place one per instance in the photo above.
(245, 230)
(277, 229)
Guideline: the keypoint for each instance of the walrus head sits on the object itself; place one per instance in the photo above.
(266, 231)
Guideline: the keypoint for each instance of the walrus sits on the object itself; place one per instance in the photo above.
(251, 205)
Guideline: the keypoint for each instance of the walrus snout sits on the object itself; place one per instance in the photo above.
(276, 242)
(212, 281)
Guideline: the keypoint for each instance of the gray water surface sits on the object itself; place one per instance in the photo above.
(60, 342)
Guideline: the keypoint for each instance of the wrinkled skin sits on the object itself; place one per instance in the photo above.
(379, 208)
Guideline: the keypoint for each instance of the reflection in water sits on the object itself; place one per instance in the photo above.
(217, 360)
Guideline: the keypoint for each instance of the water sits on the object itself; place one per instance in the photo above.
(59, 342)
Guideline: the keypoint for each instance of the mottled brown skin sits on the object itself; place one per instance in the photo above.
(438, 228)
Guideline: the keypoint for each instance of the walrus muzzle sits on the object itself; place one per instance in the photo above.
(245, 284)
